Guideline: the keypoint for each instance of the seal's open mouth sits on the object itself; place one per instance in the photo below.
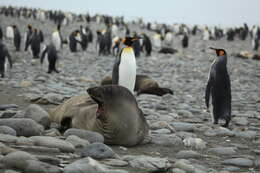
(100, 109)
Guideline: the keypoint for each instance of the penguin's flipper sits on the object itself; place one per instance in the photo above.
(207, 92)
(115, 74)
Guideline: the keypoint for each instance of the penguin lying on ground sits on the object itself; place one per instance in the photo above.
(218, 87)
(52, 57)
(143, 85)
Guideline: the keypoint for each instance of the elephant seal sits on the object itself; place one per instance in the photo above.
(114, 114)
(143, 85)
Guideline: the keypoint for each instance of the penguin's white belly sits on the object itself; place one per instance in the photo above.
(127, 70)
(56, 40)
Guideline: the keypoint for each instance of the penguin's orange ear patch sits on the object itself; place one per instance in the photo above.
(221, 53)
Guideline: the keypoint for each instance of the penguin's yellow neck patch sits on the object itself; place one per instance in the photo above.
(127, 49)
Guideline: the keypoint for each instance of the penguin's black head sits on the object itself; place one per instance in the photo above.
(219, 52)
(128, 41)
(29, 26)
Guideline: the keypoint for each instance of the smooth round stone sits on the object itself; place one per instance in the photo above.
(186, 154)
(7, 130)
(98, 151)
(161, 131)
(223, 150)
(240, 162)
(85, 134)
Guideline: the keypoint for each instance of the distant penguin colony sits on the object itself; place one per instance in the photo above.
(218, 87)
(124, 71)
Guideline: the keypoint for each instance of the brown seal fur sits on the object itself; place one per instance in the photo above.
(143, 85)
(115, 115)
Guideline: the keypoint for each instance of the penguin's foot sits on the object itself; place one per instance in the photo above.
(56, 71)
(49, 72)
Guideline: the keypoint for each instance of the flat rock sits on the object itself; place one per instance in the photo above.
(241, 162)
(115, 162)
(89, 165)
(240, 121)
(98, 151)
(220, 131)
(223, 150)
(148, 163)
(53, 142)
(77, 141)
(23, 126)
(7, 130)
(85, 134)
(38, 114)
(8, 138)
(180, 126)
(246, 134)
(166, 140)
(186, 154)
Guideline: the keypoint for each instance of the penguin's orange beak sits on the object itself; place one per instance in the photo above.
(213, 48)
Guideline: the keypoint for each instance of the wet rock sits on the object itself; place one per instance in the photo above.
(77, 142)
(151, 164)
(166, 140)
(23, 126)
(52, 142)
(85, 134)
(38, 114)
(7, 130)
(98, 151)
(187, 154)
(89, 165)
(241, 162)
(223, 150)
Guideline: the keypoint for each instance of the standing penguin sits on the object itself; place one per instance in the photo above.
(84, 38)
(17, 38)
(185, 41)
(218, 87)
(28, 35)
(147, 44)
(3, 54)
(52, 57)
(124, 71)
(35, 42)
(1, 33)
(74, 38)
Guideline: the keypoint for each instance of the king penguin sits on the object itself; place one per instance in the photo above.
(218, 87)
(124, 71)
